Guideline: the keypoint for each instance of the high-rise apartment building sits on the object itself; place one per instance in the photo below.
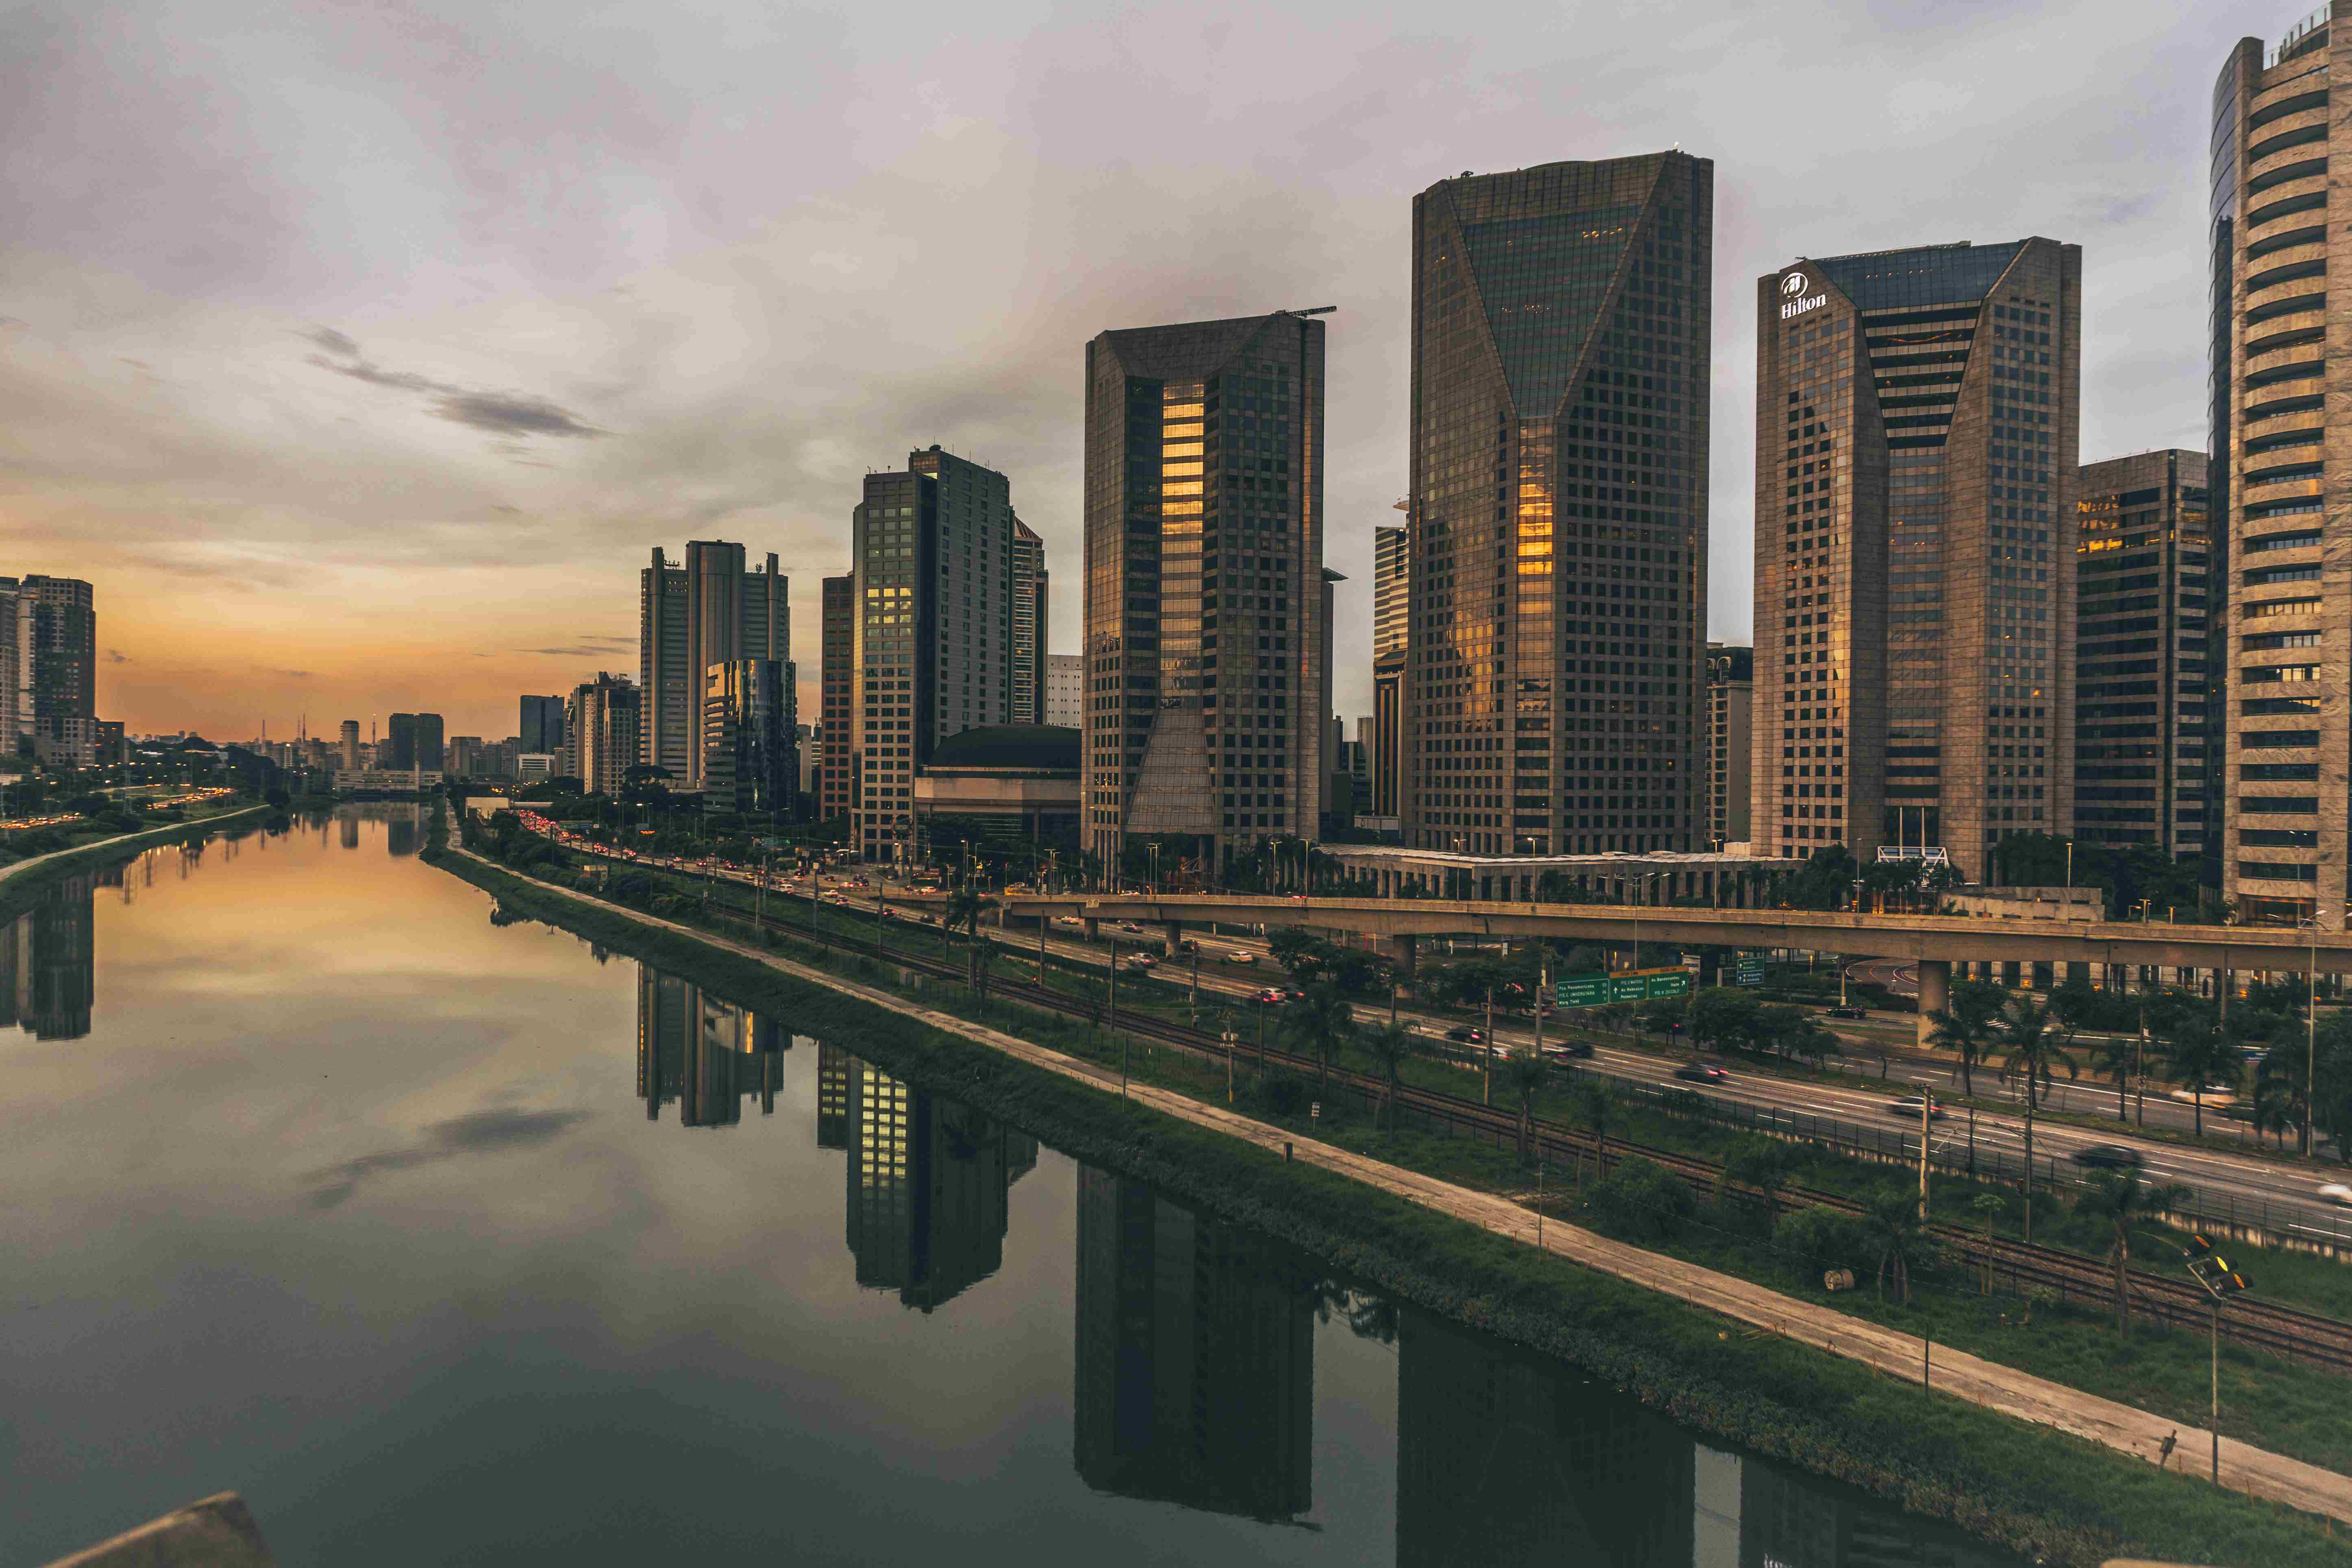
(1066, 690)
(2143, 618)
(1392, 589)
(707, 610)
(56, 661)
(1029, 606)
(837, 700)
(399, 748)
(1558, 509)
(541, 726)
(1730, 740)
(430, 749)
(350, 745)
(1915, 469)
(933, 553)
(2285, 581)
(1206, 681)
(602, 728)
(749, 736)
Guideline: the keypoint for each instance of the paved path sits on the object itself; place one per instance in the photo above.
(2004, 1389)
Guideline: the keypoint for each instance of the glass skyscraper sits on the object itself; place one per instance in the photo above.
(1557, 517)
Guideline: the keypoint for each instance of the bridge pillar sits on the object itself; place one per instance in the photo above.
(1401, 954)
(1935, 991)
(1174, 931)
(1091, 925)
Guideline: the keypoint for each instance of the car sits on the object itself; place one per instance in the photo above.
(1845, 1012)
(1700, 1072)
(2215, 1096)
(1907, 1105)
(1140, 960)
(1577, 1048)
(1188, 945)
(1273, 996)
(1130, 925)
(1238, 957)
(1466, 1036)
(2108, 1157)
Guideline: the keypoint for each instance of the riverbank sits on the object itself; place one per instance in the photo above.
(2029, 1487)
(22, 878)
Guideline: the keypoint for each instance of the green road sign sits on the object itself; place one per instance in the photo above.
(1583, 990)
(1673, 983)
(1750, 971)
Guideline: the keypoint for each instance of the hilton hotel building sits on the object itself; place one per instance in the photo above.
(1916, 470)
(2280, 473)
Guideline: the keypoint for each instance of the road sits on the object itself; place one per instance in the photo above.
(2219, 1175)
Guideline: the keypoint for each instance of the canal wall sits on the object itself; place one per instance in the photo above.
(1780, 1376)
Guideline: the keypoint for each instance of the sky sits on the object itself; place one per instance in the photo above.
(359, 354)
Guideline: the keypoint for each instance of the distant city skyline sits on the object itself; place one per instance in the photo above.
(309, 415)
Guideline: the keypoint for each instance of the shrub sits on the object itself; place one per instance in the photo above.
(1641, 1200)
(1815, 1240)
(1282, 1093)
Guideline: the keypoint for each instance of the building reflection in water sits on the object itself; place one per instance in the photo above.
(1195, 1357)
(929, 1183)
(49, 959)
(705, 1054)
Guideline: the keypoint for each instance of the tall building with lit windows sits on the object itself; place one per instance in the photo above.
(1557, 516)
(1207, 688)
(933, 553)
(707, 609)
(2144, 596)
(2280, 652)
(1916, 471)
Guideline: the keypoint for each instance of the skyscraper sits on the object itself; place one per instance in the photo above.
(1029, 586)
(2280, 852)
(430, 747)
(751, 760)
(56, 659)
(1729, 713)
(2141, 684)
(601, 727)
(1915, 547)
(400, 743)
(706, 611)
(1558, 509)
(1206, 685)
(542, 726)
(838, 699)
(1392, 589)
(934, 551)
(350, 745)
(1066, 690)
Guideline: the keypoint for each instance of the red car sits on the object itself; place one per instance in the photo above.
(1273, 996)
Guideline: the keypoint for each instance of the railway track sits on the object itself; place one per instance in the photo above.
(2311, 1338)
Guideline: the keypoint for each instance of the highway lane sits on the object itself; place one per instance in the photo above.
(1863, 1102)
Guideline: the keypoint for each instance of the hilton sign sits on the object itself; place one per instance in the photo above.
(1794, 300)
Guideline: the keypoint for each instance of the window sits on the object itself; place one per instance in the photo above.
(2262, 870)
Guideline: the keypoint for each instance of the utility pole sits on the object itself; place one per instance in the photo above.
(1487, 1093)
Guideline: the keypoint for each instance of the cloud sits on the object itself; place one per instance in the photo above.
(499, 412)
(116, 656)
(477, 1132)
(582, 652)
(292, 674)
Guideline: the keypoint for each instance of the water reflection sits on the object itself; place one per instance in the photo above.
(929, 1180)
(49, 959)
(706, 1055)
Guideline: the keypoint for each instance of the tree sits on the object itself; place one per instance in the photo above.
(1595, 1106)
(2204, 1055)
(2280, 1094)
(2034, 1046)
(2123, 1201)
(1392, 1045)
(1524, 1076)
(1762, 1165)
(1320, 1023)
(1966, 1026)
(1890, 1220)
(1825, 882)
(964, 908)
(1722, 1019)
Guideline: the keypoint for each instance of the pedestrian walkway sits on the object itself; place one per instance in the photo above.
(2254, 1471)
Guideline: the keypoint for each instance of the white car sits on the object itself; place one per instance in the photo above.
(2337, 1192)
(1238, 957)
(2212, 1098)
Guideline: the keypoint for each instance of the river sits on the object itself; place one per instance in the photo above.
(448, 1239)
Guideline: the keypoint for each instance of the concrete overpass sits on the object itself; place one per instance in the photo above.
(1931, 941)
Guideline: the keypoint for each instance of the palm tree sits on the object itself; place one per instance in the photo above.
(1891, 1220)
(2123, 1200)
(1761, 1165)
(1965, 1027)
(2203, 1055)
(2032, 1045)
(964, 908)
(1321, 1023)
(1391, 1045)
(2279, 1094)
(1525, 1075)
(1594, 1107)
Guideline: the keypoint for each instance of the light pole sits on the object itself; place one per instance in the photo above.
(2311, 1035)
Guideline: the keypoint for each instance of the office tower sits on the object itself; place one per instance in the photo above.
(15, 699)
(541, 725)
(429, 747)
(838, 700)
(2144, 543)
(1388, 732)
(56, 659)
(2280, 852)
(602, 732)
(934, 551)
(1029, 585)
(1392, 589)
(350, 745)
(1558, 509)
(1730, 742)
(1914, 535)
(1066, 690)
(466, 756)
(1206, 688)
(751, 754)
(707, 610)
(1195, 1357)
(399, 750)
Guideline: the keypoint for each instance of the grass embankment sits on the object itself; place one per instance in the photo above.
(2032, 1488)
(20, 888)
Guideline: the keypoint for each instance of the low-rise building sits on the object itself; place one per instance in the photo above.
(1006, 787)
